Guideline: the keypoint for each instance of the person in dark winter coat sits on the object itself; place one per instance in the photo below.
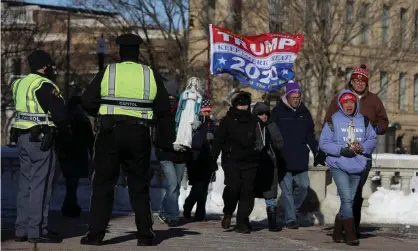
(297, 127)
(75, 162)
(201, 167)
(172, 163)
(268, 134)
(235, 137)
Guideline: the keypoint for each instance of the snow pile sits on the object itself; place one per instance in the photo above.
(392, 207)
(214, 203)
(329, 208)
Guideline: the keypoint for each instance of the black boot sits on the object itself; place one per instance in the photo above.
(226, 221)
(350, 232)
(337, 234)
(357, 206)
(272, 220)
(73, 211)
(47, 238)
(242, 227)
(89, 239)
(146, 239)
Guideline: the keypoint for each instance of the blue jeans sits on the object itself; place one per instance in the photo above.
(173, 176)
(271, 202)
(292, 199)
(346, 186)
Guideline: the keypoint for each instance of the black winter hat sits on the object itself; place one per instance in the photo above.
(39, 59)
(241, 98)
(260, 107)
(129, 40)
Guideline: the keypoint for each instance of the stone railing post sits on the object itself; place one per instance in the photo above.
(317, 180)
(405, 182)
(367, 189)
(386, 176)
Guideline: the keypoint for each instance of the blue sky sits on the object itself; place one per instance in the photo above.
(51, 2)
(89, 2)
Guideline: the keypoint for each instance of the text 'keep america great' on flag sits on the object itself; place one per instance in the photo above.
(263, 62)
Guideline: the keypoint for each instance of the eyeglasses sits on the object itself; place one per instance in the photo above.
(359, 82)
(263, 113)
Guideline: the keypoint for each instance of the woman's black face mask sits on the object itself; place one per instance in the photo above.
(51, 72)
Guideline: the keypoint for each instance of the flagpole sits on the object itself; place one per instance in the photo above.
(208, 82)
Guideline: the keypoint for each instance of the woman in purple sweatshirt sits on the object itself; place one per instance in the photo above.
(348, 140)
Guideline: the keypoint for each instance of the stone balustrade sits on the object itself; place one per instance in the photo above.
(389, 170)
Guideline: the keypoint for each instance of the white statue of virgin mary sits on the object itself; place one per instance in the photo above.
(187, 116)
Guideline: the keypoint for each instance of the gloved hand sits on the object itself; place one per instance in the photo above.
(213, 178)
(65, 136)
(210, 136)
(196, 124)
(357, 147)
(347, 152)
(377, 129)
(178, 148)
(319, 158)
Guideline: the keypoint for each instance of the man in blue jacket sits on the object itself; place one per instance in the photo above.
(296, 125)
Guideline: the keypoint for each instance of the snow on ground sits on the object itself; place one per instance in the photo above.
(394, 207)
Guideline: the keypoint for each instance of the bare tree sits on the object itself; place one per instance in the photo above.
(162, 25)
(339, 36)
(20, 34)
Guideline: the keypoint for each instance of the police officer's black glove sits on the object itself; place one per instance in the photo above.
(320, 158)
(64, 137)
(213, 178)
(347, 152)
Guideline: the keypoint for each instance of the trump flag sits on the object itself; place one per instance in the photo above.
(263, 62)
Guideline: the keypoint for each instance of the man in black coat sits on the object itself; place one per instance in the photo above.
(201, 167)
(235, 137)
(75, 162)
(296, 125)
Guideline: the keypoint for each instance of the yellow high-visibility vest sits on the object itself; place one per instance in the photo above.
(29, 112)
(128, 88)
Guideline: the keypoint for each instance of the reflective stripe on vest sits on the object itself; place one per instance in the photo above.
(127, 105)
(29, 112)
(42, 119)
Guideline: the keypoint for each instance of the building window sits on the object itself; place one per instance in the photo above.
(211, 7)
(416, 29)
(383, 87)
(385, 25)
(416, 93)
(402, 88)
(17, 66)
(209, 14)
(364, 24)
(403, 27)
(348, 20)
(274, 16)
(309, 21)
(235, 16)
(348, 72)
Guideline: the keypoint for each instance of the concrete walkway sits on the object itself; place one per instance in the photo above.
(210, 236)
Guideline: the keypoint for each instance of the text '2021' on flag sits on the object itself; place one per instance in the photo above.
(263, 62)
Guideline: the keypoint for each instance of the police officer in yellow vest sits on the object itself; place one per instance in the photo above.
(40, 109)
(129, 98)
